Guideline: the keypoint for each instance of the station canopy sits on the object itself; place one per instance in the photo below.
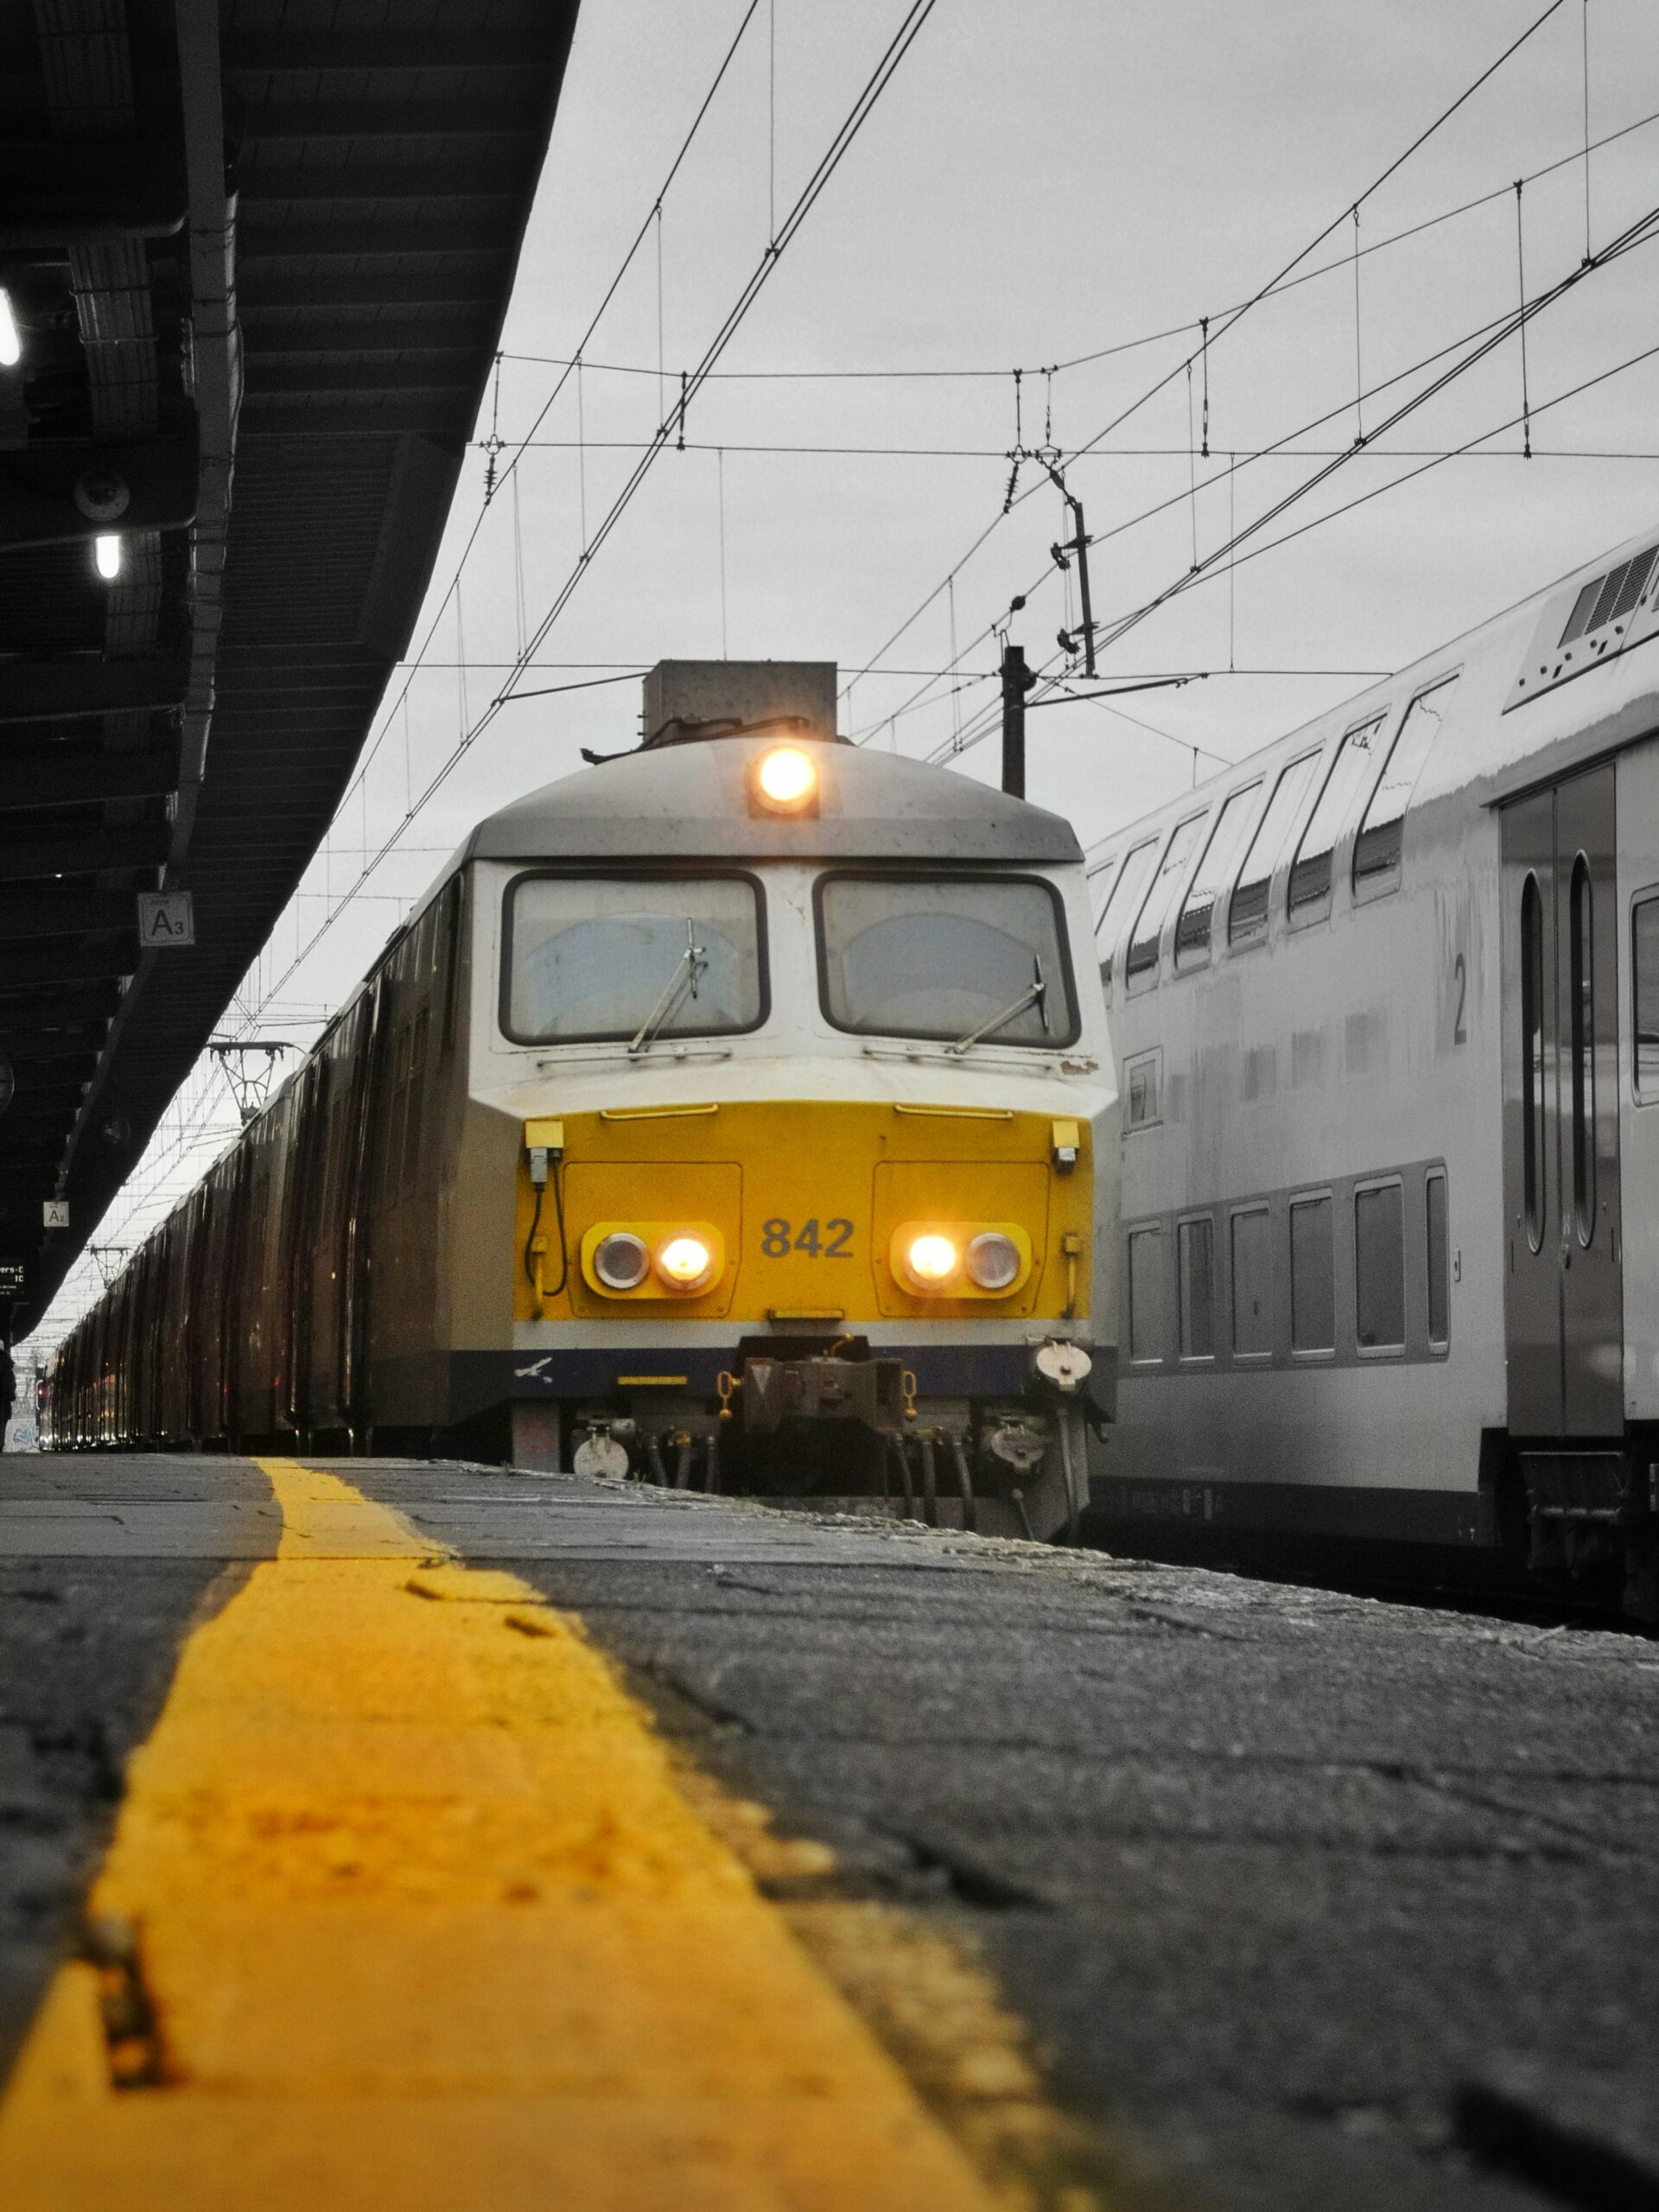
(255, 257)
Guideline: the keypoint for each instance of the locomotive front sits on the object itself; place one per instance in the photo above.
(792, 1114)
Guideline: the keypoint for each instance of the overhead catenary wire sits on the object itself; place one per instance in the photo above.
(1482, 338)
(1231, 318)
(521, 444)
(1196, 326)
(1174, 498)
(808, 450)
(973, 735)
(903, 38)
(1520, 274)
(1640, 233)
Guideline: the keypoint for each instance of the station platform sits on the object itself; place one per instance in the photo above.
(377, 1832)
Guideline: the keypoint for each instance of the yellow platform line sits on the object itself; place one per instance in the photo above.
(420, 1918)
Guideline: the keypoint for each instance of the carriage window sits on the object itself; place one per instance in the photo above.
(1215, 873)
(1532, 1059)
(1149, 931)
(947, 957)
(1247, 917)
(450, 931)
(1131, 882)
(1644, 987)
(591, 957)
(1376, 854)
(1380, 1267)
(1313, 1276)
(1310, 875)
(1146, 1294)
(1581, 935)
(1195, 1241)
(1439, 1292)
(1252, 1283)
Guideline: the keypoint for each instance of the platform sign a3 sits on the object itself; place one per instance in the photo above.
(166, 918)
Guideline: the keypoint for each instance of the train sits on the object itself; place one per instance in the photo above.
(1384, 1000)
(736, 1112)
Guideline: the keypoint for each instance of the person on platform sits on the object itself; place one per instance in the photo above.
(8, 1389)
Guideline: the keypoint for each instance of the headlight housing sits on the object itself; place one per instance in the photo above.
(684, 1262)
(621, 1260)
(994, 1259)
(931, 1260)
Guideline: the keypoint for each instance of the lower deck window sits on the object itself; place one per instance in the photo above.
(1198, 1290)
(1440, 1290)
(1380, 1269)
(1645, 987)
(1252, 1283)
(1313, 1276)
(1146, 1294)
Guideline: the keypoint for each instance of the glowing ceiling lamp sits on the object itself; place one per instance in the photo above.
(11, 345)
(106, 552)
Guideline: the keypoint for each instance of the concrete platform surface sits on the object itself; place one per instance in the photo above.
(1334, 1902)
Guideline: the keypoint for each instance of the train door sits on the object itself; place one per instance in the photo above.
(1564, 1302)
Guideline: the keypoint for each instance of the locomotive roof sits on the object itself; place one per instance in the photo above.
(689, 801)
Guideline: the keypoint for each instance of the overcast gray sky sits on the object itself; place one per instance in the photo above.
(1041, 181)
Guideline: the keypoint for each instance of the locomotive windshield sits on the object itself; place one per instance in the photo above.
(955, 957)
(633, 957)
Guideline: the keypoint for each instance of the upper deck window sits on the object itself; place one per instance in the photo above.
(1247, 917)
(1352, 770)
(1149, 931)
(1215, 873)
(952, 957)
(588, 957)
(1126, 891)
(1376, 854)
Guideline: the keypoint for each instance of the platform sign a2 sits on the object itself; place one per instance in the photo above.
(166, 918)
(54, 1213)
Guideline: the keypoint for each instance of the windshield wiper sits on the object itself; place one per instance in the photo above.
(1035, 993)
(686, 969)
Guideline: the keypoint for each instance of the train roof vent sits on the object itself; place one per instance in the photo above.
(1604, 599)
(1608, 614)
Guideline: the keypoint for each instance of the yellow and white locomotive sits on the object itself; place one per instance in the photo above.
(734, 1112)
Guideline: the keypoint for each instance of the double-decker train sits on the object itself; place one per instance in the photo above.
(739, 1112)
(1385, 1002)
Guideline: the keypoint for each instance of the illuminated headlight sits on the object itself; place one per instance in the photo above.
(684, 1262)
(621, 1260)
(784, 780)
(931, 1261)
(994, 1259)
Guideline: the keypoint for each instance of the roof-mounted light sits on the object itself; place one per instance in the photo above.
(12, 344)
(107, 551)
(783, 780)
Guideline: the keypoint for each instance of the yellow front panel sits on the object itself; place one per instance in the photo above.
(806, 1193)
